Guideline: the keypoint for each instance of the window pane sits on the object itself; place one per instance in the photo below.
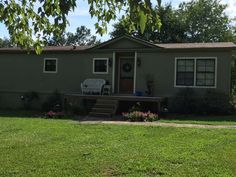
(200, 76)
(189, 62)
(185, 72)
(210, 82)
(201, 68)
(210, 76)
(210, 68)
(185, 78)
(181, 68)
(50, 65)
(205, 72)
(201, 82)
(181, 62)
(189, 68)
(100, 66)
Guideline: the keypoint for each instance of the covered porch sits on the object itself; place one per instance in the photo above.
(108, 105)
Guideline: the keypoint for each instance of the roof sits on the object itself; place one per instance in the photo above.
(197, 45)
(177, 46)
(138, 40)
(48, 48)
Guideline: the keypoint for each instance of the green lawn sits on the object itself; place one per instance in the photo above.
(195, 119)
(40, 147)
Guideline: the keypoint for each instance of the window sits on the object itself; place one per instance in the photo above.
(100, 65)
(205, 72)
(50, 65)
(196, 72)
(185, 72)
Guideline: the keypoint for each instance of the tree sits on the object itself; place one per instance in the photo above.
(206, 21)
(5, 43)
(42, 18)
(196, 21)
(172, 29)
(81, 37)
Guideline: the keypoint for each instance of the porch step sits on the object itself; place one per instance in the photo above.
(97, 114)
(106, 101)
(105, 110)
(104, 107)
(108, 106)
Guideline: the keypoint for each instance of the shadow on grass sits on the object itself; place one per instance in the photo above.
(209, 118)
(40, 114)
(31, 114)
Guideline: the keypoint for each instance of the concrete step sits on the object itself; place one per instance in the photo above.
(99, 114)
(102, 105)
(104, 101)
(103, 110)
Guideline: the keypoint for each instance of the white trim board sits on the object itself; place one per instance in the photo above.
(107, 60)
(113, 71)
(44, 66)
(195, 70)
(135, 70)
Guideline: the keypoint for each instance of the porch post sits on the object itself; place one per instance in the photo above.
(113, 71)
(135, 71)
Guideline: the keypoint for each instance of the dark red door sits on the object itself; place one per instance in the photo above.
(126, 78)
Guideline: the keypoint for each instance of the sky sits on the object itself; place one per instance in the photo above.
(81, 16)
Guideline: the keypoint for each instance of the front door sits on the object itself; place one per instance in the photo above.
(126, 75)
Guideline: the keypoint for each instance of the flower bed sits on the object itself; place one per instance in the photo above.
(138, 116)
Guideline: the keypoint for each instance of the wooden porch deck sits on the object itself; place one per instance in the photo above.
(73, 98)
(117, 97)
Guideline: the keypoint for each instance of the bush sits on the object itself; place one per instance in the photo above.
(215, 102)
(184, 102)
(28, 98)
(53, 102)
(212, 102)
(138, 116)
(135, 107)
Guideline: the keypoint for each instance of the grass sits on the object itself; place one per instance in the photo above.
(42, 147)
(194, 119)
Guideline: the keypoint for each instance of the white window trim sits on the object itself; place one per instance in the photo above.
(94, 59)
(195, 72)
(44, 66)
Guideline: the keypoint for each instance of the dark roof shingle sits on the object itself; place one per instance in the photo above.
(197, 45)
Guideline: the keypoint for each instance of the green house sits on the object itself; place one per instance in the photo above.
(130, 66)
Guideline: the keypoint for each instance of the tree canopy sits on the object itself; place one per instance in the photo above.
(25, 19)
(195, 21)
(81, 37)
(5, 43)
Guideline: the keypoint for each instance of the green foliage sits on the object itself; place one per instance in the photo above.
(82, 37)
(194, 21)
(53, 102)
(76, 110)
(28, 98)
(212, 102)
(215, 102)
(5, 43)
(205, 21)
(26, 19)
(135, 107)
(184, 102)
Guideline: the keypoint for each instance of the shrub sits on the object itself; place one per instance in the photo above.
(140, 116)
(53, 102)
(215, 102)
(135, 107)
(184, 102)
(211, 102)
(28, 98)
